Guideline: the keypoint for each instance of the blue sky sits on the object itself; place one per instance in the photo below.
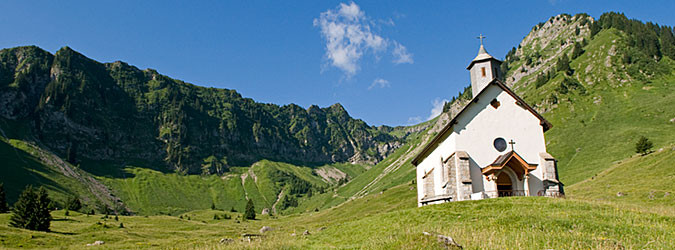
(398, 60)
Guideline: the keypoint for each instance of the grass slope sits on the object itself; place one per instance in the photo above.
(646, 182)
(149, 192)
(21, 165)
(153, 192)
(377, 221)
(600, 125)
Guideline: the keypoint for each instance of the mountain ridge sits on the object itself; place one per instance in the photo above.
(78, 90)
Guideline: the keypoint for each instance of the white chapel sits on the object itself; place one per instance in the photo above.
(493, 147)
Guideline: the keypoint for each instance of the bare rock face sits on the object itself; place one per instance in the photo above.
(265, 229)
(265, 211)
(559, 32)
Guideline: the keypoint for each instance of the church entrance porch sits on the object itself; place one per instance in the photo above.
(504, 185)
(510, 175)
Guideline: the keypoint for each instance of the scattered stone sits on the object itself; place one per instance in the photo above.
(96, 243)
(321, 229)
(226, 241)
(265, 211)
(250, 237)
(672, 120)
(306, 232)
(446, 240)
(651, 195)
(666, 194)
(265, 229)
(293, 234)
(619, 194)
(411, 188)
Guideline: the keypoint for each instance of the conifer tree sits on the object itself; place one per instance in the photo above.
(249, 213)
(31, 210)
(3, 200)
(22, 212)
(42, 210)
(643, 146)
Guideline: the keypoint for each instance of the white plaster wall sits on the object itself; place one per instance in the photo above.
(478, 82)
(481, 124)
(433, 161)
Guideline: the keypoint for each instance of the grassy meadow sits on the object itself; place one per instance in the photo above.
(379, 221)
(592, 216)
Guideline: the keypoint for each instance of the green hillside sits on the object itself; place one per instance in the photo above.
(376, 221)
(640, 182)
(24, 163)
(599, 88)
(85, 111)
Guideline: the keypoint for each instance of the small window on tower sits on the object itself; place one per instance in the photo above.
(483, 70)
(494, 103)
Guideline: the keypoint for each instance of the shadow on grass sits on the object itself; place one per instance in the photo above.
(62, 233)
(20, 169)
(65, 219)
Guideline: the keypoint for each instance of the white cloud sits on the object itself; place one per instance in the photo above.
(401, 54)
(379, 82)
(414, 120)
(348, 35)
(437, 107)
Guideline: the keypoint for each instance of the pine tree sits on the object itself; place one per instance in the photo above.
(643, 146)
(31, 211)
(3, 200)
(42, 215)
(577, 50)
(23, 210)
(249, 213)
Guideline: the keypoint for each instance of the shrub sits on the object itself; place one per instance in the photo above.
(31, 210)
(643, 146)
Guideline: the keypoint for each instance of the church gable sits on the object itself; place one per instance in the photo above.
(486, 98)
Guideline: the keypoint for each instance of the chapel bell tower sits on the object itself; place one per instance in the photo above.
(484, 68)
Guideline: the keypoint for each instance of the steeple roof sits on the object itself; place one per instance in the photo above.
(482, 56)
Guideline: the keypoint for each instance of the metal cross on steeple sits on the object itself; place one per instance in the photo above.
(481, 37)
(512, 142)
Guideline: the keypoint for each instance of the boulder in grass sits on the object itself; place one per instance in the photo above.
(96, 243)
(265, 229)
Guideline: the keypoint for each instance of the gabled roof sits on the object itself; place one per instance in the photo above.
(521, 166)
(448, 127)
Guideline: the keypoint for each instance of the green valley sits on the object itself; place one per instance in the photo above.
(156, 153)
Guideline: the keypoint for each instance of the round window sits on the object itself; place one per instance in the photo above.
(500, 144)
